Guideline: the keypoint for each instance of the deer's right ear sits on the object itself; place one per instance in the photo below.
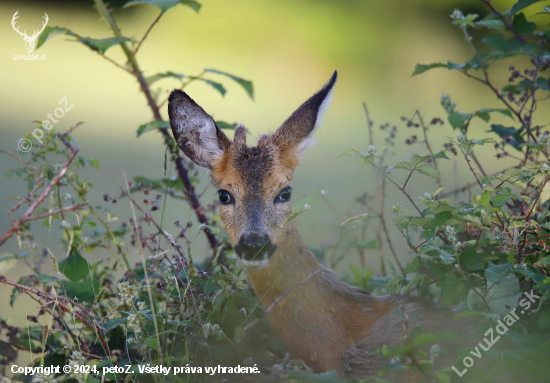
(195, 131)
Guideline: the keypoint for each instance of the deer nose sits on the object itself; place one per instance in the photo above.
(255, 246)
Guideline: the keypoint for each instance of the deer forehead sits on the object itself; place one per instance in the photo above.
(255, 171)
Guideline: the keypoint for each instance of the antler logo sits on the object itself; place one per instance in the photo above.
(29, 40)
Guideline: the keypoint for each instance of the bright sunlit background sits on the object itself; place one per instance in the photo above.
(288, 49)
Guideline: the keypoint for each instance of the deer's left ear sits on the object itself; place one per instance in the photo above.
(296, 133)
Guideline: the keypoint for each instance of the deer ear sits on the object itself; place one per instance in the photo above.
(195, 131)
(296, 133)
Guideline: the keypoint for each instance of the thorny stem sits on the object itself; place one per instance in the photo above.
(144, 86)
(487, 82)
(465, 153)
(508, 25)
(27, 216)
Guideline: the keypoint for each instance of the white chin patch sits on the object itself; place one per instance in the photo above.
(255, 264)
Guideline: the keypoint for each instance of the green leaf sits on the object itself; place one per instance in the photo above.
(484, 114)
(46, 278)
(514, 134)
(159, 76)
(84, 290)
(520, 5)
(504, 46)
(94, 162)
(428, 170)
(457, 120)
(439, 154)
(543, 83)
(216, 85)
(247, 85)
(403, 165)
(504, 297)
(484, 141)
(471, 259)
(492, 24)
(100, 45)
(75, 267)
(522, 26)
(110, 324)
(416, 159)
(421, 68)
(226, 125)
(485, 198)
(51, 32)
(103, 44)
(152, 342)
(496, 273)
(349, 152)
(153, 125)
(545, 193)
(452, 289)
(500, 199)
(164, 5)
(440, 219)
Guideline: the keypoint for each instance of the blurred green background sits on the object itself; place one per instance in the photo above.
(288, 49)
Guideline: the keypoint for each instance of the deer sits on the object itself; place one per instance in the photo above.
(321, 320)
(29, 40)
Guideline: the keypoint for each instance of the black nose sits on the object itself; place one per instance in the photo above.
(255, 247)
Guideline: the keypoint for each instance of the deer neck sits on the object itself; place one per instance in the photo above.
(290, 265)
(302, 307)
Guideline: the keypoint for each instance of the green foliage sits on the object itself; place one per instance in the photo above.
(164, 5)
(482, 254)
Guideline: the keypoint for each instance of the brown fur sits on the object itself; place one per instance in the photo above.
(330, 325)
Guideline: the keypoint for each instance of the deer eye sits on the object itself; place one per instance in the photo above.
(284, 195)
(225, 197)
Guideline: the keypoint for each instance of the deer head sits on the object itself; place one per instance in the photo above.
(253, 182)
(29, 40)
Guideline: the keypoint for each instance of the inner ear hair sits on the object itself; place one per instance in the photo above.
(296, 133)
(195, 131)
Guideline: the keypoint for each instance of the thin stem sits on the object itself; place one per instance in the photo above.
(140, 249)
(369, 123)
(425, 132)
(382, 192)
(147, 32)
(383, 222)
(16, 225)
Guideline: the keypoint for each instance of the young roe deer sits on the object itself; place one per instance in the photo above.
(321, 320)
